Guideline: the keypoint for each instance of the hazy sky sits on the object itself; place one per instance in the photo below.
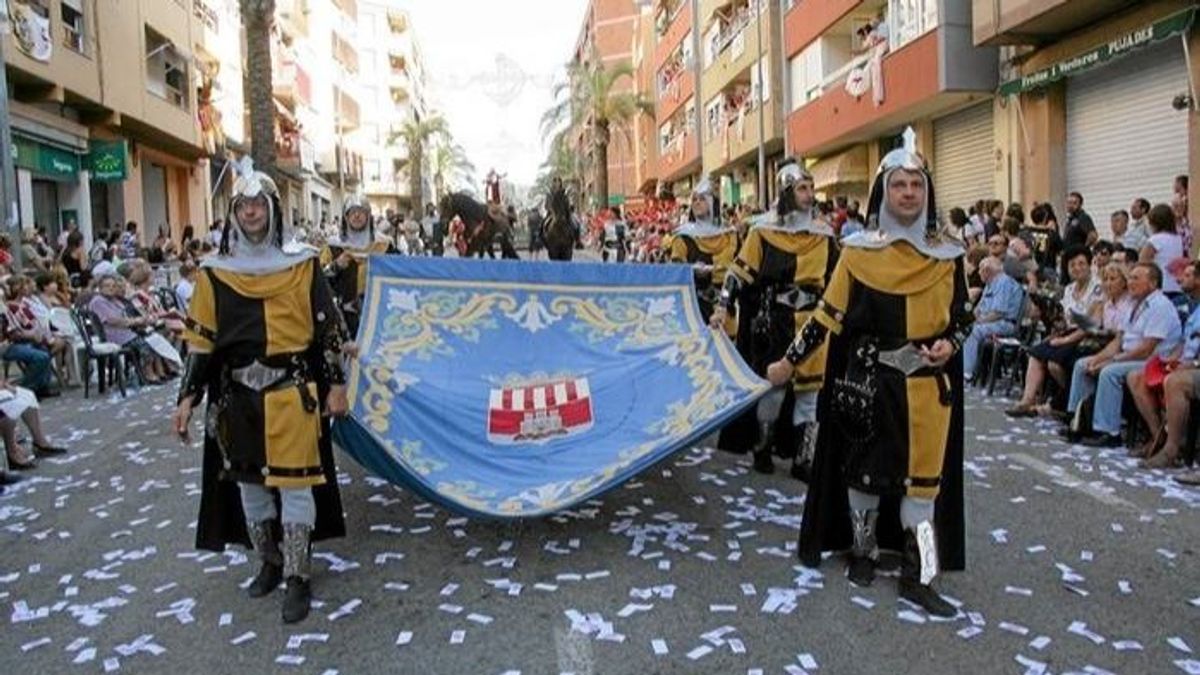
(491, 67)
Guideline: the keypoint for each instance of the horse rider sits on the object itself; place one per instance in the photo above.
(896, 312)
(784, 264)
(344, 257)
(266, 342)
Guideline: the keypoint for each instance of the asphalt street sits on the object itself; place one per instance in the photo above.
(1078, 562)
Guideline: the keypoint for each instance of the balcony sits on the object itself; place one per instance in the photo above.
(348, 7)
(293, 17)
(1023, 22)
(731, 136)
(674, 86)
(936, 72)
(677, 17)
(731, 52)
(678, 147)
(397, 21)
(345, 53)
(291, 83)
(347, 110)
(807, 21)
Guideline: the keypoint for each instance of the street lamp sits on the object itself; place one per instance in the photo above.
(762, 131)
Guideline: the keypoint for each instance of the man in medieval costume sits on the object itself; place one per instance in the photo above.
(888, 467)
(266, 342)
(344, 258)
(707, 246)
(776, 281)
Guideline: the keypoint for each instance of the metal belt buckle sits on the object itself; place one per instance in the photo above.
(796, 298)
(906, 359)
(258, 377)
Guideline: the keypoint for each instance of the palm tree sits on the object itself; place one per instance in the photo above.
(589, 98)
(257, 18)
(416, 135)
(450, 167)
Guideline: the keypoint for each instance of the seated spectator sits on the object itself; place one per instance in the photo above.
(19, 403)
(1101, 255)
(186, 285)
(6, 257)
(26, 346)
(1177, 389)
(74, 258)
(38, 304)
(1138, 232)
(122, 326)
(975, 255)
(997, 313)
(854, 222)
(1163, 246)
(1058, 353)
(1020, 264)
(1153, 328)
(31, 258)
(1118, 222)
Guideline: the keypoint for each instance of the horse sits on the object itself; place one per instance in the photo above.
(558, 231)
(482, 225)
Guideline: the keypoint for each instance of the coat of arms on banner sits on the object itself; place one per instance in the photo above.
(538, 411)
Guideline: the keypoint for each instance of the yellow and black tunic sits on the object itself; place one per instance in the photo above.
(886, 432)
(773, 264)
(717, 250)
(350, 283)
(286, 322)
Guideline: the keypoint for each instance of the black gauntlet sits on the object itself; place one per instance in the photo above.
(811, 336)
(195, 378)
(730, 291)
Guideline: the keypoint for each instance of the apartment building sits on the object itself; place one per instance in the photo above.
(104, 114)
(861, 71)
(679, 160)
(1105, 91)
(393, 86)
(645, 133)
(607, 34)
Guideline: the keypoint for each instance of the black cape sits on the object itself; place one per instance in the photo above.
(222, 520)
(826, 523)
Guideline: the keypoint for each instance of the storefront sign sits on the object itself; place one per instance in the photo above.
(45, 160)
(1176, 24)
(107, 161)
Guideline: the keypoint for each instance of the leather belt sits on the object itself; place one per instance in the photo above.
(906, 359)
(258, 376)
(797, 298)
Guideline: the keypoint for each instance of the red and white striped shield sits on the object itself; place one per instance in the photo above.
(539, 412)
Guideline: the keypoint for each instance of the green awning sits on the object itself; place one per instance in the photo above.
(1176, 24)
(44, 160)
(616, 200)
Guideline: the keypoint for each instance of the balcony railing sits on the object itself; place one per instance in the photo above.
(345, 53)
(293, 16)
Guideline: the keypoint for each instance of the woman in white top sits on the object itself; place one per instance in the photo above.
(1057, 354)
(1164, 246)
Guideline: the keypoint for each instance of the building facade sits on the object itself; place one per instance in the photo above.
(1105, 92)
(860, 72)
(104, 115)
(608, 35)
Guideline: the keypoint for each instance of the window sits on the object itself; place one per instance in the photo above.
(72, 19)
(910, 19)
(166, 70)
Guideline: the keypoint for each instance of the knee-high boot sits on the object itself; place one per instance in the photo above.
(297, 559)
(916, 574)
(763, 462)
(805, 450)
(864, 553)
(264, 538)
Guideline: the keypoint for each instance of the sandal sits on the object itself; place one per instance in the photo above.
(1189, 478)
(28, 464)
(48, 449)
(1160, 460)
(1022, 410)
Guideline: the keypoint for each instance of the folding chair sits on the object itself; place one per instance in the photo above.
(111, 359)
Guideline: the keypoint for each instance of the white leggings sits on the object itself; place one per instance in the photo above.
(913, 511)
(805, 409)
(259, 504)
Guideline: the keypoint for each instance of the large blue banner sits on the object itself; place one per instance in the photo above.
(515, 389)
